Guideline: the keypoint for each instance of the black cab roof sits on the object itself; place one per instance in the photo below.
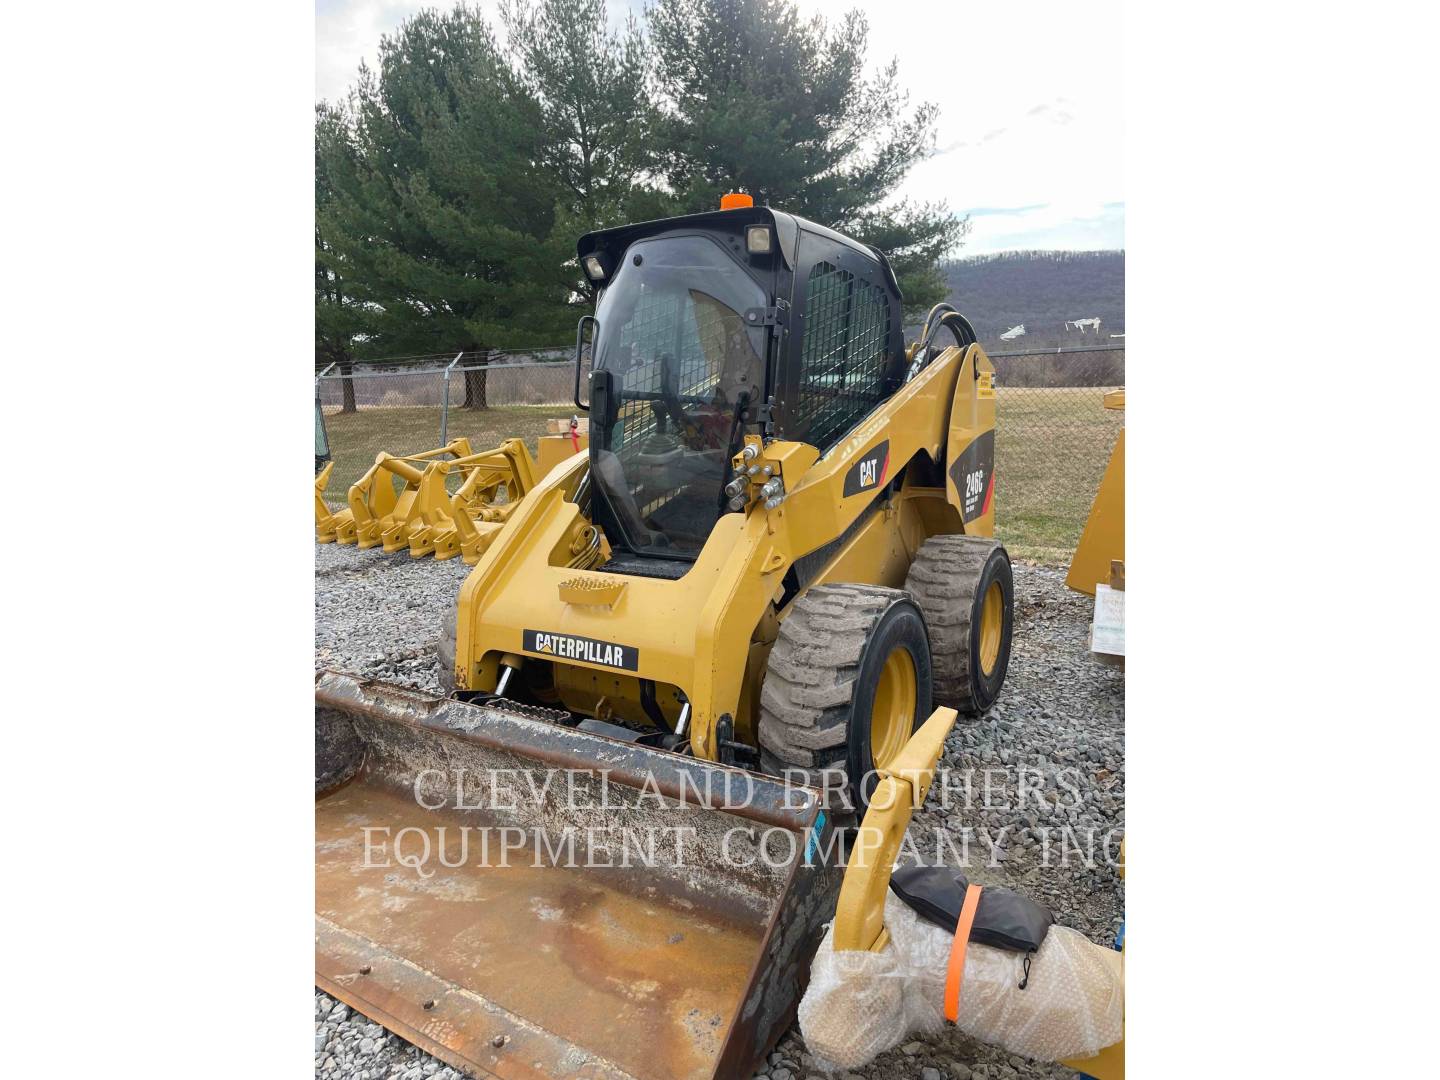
(787, 227)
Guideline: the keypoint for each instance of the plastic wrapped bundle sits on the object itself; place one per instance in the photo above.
(860, 1004)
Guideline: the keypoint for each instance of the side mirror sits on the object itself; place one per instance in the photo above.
(581, 344)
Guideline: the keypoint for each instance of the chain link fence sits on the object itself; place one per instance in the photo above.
(1053, 437)
(416, 404)
(1052, 440)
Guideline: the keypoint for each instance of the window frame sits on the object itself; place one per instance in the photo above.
(865, 268)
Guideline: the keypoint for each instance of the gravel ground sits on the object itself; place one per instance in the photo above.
(378, 615)
(1054, 746)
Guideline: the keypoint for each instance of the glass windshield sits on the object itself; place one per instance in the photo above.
(672, 331)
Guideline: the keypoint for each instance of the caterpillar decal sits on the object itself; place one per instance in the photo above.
(973, 474)
(869, 472)
(588, 650)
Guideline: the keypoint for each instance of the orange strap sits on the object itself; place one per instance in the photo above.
(956, 971)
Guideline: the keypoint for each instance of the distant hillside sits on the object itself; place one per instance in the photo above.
(1042, 290)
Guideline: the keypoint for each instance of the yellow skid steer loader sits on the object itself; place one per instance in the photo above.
(721, 626)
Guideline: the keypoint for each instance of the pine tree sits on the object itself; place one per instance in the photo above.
(339, 317)
(756, 99)
(591, 82)
(440, 211)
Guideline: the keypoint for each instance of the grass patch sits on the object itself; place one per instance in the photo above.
(1051, 448)
(355, 438)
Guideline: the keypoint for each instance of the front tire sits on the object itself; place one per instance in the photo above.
(848, 681)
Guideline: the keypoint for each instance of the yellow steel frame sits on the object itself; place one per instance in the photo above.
(860, 909)
(375, 511)
(423, 515)
(465, 523)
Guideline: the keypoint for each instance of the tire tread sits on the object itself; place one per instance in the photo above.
(810, 678)
(943, 578)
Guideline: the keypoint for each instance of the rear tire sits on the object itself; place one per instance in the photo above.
(445, 648)
(848, 678)
(965, 588)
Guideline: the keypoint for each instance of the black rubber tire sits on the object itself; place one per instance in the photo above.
(949, 579)
(445, 648)
(820, 682)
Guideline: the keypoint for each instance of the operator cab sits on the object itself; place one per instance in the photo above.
(709, 327)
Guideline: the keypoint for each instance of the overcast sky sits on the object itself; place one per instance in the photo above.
(1029, 134)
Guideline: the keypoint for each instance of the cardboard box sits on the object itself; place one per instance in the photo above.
(561, 425)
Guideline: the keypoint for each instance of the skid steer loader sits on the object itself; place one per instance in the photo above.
(775, 559)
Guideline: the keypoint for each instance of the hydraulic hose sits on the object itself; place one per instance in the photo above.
(948, 316)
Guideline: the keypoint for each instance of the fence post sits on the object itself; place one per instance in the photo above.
(445, 406)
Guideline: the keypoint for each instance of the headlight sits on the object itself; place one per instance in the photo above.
(594, 269)
(757, 239)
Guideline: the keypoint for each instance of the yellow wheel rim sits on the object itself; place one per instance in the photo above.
(892, 716)
(992, 627)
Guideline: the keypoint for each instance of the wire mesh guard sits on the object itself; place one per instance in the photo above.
(842, 364)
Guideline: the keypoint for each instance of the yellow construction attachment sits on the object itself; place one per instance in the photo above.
(325, 525)
(444, 502)
(618, 911)
(464, 523)
(860, 911)
(1103, 540)
(379, 513)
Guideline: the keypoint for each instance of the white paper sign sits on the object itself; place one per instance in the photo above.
(1107, 632)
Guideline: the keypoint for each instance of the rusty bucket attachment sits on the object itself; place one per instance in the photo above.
(522, 898)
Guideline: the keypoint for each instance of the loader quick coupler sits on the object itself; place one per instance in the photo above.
(516, 708)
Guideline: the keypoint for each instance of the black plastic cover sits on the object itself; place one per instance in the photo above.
(1004, 919)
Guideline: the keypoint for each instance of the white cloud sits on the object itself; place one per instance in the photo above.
(1030, 114)
(347, 31)
(1073, 228)
(1029, 97)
